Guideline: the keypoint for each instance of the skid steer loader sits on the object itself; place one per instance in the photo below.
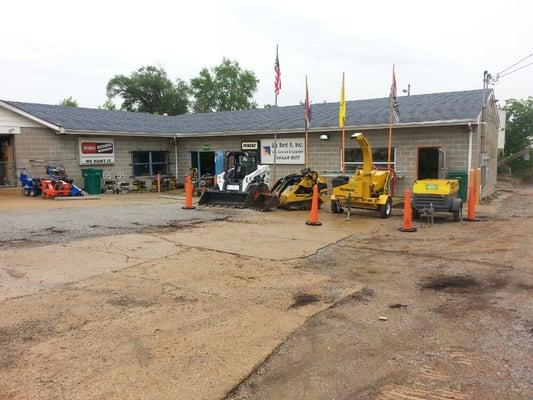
(368, 188)
(295, 191)
(243, 184)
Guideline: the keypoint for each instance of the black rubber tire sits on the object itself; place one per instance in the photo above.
(33, 193)
(385, 211)
(26, 192)
(458, 215)
(335, 207)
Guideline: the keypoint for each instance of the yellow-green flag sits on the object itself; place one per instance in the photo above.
(342, 106)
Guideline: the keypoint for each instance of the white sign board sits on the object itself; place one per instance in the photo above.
(245, 146)
(96, 151)
(289, 151)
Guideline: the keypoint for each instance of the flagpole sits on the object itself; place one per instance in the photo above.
(275, 129)
(305, 122)
(390, 127)
(343, 155)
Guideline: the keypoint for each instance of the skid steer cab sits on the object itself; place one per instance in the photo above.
(437, 195)
(368, 188)
(243, 184)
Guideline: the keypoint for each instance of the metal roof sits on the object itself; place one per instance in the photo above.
(416, 109)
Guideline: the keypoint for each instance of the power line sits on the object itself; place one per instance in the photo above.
(514, 70)
(516, 63)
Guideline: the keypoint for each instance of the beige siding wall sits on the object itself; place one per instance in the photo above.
(11, 119)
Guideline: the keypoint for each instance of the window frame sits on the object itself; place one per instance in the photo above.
(150, 163)
(378, 164)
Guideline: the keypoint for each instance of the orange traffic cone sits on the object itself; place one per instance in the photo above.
(471, 216)
(407, 214)
(313, 220)
(188, 194)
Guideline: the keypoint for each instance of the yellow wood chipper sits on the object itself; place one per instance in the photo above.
(368, 188)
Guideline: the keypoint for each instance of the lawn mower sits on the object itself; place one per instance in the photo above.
(58, 183)
(295, 191)
(368, 188)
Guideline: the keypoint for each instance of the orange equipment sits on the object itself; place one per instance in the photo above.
(51, 188)
(188, 194)
(471, 216)
(313, 220)
(407, 214)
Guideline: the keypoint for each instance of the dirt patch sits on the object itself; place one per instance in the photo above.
(398, 305)
(303, 299)
(55, 230)
(451, 283)
(130, 302)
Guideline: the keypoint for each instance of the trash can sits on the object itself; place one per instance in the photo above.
(462, 177)
(92, 180)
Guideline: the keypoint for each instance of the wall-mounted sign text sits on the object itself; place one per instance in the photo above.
(250, 145)
(289, 151)
(96, 151)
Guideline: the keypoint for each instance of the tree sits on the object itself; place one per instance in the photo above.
(68, 102)
(519, 128)
(108, 105)
(223, 88)
(150, 90)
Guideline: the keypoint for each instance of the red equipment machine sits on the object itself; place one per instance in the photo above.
(51, 188)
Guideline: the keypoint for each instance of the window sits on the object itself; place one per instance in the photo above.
(354, 158)
(149, 163)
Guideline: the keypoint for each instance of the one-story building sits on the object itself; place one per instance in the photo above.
(438, 133)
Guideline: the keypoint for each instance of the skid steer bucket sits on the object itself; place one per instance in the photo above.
(223, 199)
(261, 201)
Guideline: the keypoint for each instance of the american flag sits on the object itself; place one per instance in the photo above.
(394, 98)
(277, 70)
(307, 112)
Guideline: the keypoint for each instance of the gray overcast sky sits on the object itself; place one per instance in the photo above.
(55, 49)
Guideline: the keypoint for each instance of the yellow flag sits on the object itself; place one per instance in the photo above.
(342, 106)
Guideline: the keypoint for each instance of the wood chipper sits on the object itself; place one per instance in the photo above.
(368, 188)
(437, 195)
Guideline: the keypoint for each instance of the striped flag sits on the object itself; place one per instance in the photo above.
(394, 98)
(307, 111)
(277, 70)
(342, 105)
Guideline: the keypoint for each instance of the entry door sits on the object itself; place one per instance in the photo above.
(219, 162)
(429, 159)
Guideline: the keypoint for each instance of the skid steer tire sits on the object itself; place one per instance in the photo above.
(386, 209)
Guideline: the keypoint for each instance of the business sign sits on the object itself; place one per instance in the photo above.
(289, 151)
(96, 151)
(250, 145)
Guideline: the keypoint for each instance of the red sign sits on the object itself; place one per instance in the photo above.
(96, 148)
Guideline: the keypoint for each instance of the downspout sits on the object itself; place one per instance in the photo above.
(469, 153)
(176, 157)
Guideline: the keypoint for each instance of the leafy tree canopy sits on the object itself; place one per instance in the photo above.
(225, 87)
(150, 90)
(108, 105)
(519, 128)
(68, 102)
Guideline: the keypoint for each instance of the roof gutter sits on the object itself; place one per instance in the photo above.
(14, 109)
(178, 135)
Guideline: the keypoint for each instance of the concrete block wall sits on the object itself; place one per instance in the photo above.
(325, 155)
(45, 144)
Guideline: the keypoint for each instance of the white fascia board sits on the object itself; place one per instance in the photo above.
(111, 133)
(25, 114)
